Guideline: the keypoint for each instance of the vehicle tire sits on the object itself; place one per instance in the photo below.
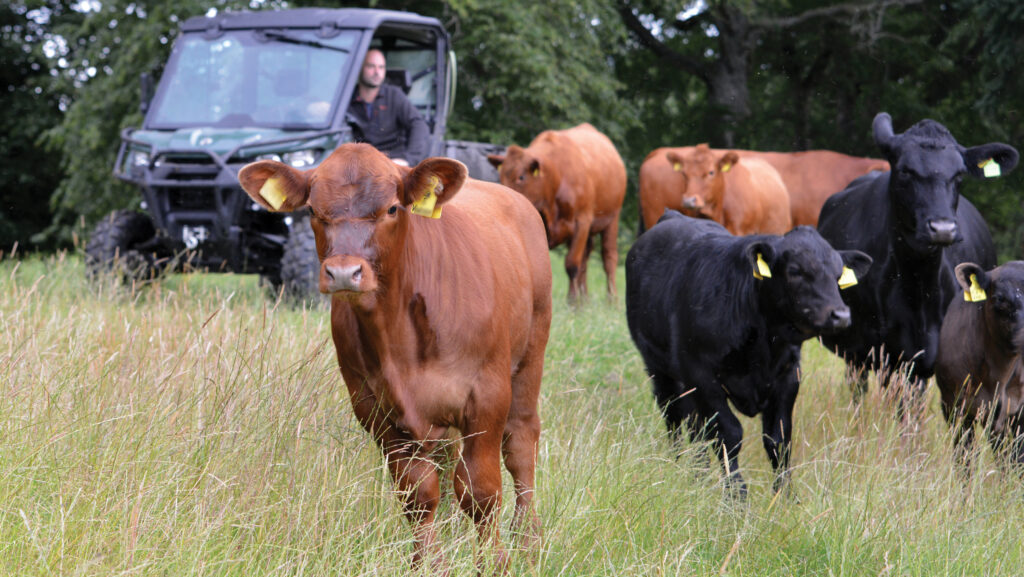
(300, 266)
(112, 248)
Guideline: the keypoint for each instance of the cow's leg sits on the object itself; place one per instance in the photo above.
(584, 265)
(574, 260)
(777, 428)
(520, 441)
(678, 405)
(416, 479)
(610, 254)
(961, 424)
(1015, 440)
(478, 477)
(728, 440)
(857, 377)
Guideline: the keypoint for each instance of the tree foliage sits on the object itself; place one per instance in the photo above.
(772, 74)
(27, 108)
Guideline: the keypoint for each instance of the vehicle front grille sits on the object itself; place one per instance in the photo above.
(201, 198)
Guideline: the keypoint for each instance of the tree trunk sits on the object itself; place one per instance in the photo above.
(727, 81)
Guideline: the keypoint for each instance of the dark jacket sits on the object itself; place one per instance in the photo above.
(393, 125)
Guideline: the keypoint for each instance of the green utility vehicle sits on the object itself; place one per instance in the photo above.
(240, 87)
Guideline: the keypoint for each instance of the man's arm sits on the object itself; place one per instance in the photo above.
(417, 135)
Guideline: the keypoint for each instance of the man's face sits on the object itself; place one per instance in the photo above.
(373, 69)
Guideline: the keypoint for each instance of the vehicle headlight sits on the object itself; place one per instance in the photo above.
(300, 158)
(139, 158)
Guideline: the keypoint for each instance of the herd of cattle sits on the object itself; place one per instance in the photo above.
(441, 289)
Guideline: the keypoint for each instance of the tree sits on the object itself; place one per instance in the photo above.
(29, 172)
(106, 50)
(715, 41)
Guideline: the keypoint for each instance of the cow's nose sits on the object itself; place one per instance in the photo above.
(840, 318)
(690, 202)
(943, 231)
(343, 278)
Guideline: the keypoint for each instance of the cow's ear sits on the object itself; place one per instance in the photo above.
(855, 265)
(496, 159)
(534, 167)
(856, 261)
(973, 280)
(761, 256)
(675, 160)
(881, 129)
(437, 177)
(990, 160)
(728, 160)
(276, 186)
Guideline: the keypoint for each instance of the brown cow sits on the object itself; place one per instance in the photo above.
(577, 180)
(810, 178)
(978, 368)
(438, 324)
(814, 175)
(746, 197)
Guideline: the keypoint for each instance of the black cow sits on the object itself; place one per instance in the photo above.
(979, 365)
(914, 224)
(719, 318)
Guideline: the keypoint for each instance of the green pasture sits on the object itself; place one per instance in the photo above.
(196, 427)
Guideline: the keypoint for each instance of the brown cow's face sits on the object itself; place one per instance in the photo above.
(525, 174)
(703, 181)
(359, 204)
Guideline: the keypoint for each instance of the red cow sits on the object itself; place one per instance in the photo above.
(660, 185)
(438, 324)
(814, 175)
(746, 196)
(810, 178)
(577, 180)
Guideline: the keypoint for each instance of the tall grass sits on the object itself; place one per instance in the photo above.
(194, 427)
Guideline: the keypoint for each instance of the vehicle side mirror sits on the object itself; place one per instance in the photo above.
(145, 91)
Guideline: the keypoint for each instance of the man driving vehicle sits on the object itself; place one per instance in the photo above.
(388, 120)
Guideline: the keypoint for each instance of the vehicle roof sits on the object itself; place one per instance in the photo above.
(363, 18)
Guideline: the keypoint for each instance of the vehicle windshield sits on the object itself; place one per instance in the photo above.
(272, 78)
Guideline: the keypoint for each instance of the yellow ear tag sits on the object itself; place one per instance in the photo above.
(272, 193)
(990, 168)
(762, 271)
(848, 278)
(536, 172)
(425, 206)
(677, 167)
(726, 167)
(976, 294)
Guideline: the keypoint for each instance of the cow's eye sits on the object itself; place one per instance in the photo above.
(393, 210)
(1003, 304)
(522, 177)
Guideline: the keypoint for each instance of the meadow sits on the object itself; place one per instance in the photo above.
(197, 427)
